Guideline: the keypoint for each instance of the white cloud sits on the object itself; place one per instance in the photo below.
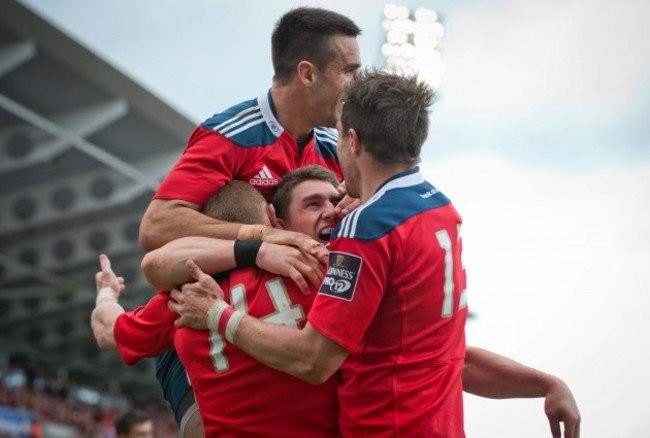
(558, 273)
(519, 54)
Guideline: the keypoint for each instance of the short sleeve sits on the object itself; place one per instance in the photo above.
(147, 331)
(352, 290)
(208, 163)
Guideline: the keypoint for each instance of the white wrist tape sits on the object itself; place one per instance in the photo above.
(228, 327)
(214, 315)
(104, 293)
(233, 323)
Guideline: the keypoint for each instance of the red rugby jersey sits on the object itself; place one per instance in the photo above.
(394, 297)
(238, 396)
(247, 143)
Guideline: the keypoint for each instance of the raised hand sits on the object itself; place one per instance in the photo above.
(106, 278)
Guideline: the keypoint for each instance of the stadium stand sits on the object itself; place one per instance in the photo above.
(33, 406)
(82, 149)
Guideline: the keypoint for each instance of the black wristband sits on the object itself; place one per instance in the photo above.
(246, 252)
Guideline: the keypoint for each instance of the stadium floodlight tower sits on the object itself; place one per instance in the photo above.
(412, 42)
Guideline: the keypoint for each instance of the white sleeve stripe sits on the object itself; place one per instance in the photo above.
(245, 127)
(326, 135)
(235, 126)
(235, 118)
(355, 220)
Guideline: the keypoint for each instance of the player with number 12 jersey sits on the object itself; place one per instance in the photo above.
(394, 297)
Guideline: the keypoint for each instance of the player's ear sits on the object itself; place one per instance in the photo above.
(355, 144)
(275, 222)
(306, 73)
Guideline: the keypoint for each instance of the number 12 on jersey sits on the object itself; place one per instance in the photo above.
(448, 302)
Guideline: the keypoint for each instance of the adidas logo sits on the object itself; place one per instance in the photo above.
(263, 178)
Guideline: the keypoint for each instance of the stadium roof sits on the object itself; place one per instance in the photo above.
(82, 149)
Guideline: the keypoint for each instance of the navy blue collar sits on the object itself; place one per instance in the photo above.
(412, 171)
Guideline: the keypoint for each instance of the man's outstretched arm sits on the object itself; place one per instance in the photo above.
(169, 219)
(490, 375)
(107, 308)
(165, 268)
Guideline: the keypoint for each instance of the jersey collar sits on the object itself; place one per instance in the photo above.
(407, 178)
(267, 108)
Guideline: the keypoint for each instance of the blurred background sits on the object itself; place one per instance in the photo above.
(540, 136)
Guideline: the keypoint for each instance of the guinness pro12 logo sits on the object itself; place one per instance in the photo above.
(342, 275)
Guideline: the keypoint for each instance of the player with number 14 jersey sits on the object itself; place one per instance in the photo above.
(237, 396)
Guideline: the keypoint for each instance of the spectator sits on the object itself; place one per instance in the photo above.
(134, 424)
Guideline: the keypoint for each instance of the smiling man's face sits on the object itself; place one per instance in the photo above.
(311, 210)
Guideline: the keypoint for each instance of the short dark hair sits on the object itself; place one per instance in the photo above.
(390, 114)
(306, 34)
(124, 423)
(283, 195)
(237, 202)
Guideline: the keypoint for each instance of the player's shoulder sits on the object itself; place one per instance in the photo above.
(395, 202)
(248, 278)
(325, 141)
(248, 124)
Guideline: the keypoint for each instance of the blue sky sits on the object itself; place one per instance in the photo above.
(540, 137)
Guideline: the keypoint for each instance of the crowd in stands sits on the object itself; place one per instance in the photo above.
(54, 404)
